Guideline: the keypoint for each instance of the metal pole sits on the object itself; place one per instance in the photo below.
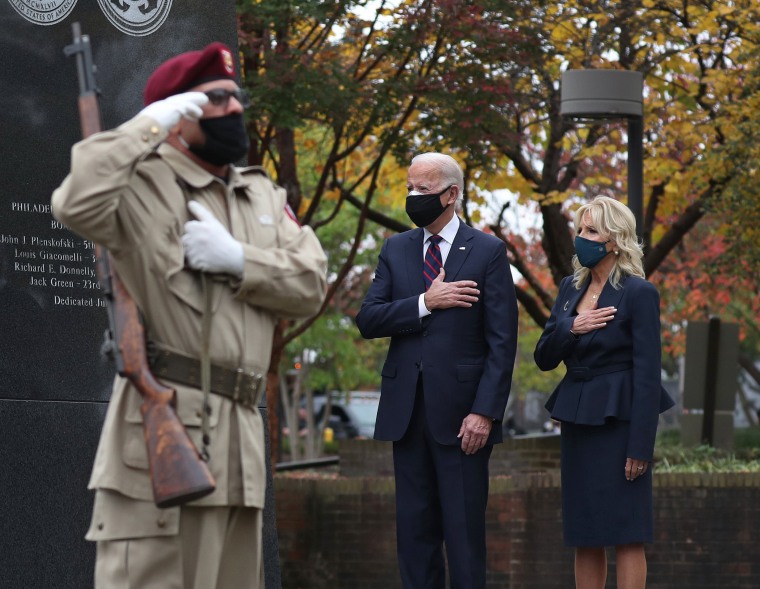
(636, 171)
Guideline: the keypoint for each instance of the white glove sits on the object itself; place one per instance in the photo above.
(167, 112)
(209, 247)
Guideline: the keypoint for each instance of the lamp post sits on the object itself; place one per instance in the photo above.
(609, 95)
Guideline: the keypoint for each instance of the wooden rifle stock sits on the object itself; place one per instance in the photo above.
(178, 472)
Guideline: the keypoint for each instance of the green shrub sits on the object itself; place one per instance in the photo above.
(672, 456)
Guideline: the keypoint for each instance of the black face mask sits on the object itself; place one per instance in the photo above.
(226, 140)
(423, 209)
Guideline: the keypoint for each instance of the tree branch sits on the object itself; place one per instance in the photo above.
(693, 213)
(375, 216)
(519, 263)
(343, 272)
(530, 304)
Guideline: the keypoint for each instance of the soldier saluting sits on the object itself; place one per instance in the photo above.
(212, 260)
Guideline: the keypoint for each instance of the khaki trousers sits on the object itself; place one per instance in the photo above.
(216, 548)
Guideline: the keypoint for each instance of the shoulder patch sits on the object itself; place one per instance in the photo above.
(289, 212)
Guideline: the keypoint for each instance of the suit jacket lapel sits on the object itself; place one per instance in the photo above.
(414, 261)
(459, 251)
(610, 297)
(571, 298)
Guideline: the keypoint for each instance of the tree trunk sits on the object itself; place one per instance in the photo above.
(557, 241)
(288, 171)
(273, 397)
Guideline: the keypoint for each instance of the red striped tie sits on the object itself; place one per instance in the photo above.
(433, 263)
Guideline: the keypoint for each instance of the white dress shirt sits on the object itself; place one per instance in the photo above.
(448, 233)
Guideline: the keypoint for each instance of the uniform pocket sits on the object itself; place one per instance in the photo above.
(184, 284)
(190, 412)
(116, 517)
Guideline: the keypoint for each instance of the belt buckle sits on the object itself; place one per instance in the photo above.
(254, 390)
(246, 387)
(239, 374)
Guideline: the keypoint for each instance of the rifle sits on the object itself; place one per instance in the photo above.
(178, 472)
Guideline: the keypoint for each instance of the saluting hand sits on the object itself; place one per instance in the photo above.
(443, 295)
(169, 111)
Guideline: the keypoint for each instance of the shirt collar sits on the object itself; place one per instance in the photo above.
(448, 233)
(190, 172)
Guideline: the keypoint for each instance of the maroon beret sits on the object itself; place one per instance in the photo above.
(186, 70)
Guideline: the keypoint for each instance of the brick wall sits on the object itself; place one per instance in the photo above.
(336, 532)
(707, 530)
(522, 454)
(340, 533)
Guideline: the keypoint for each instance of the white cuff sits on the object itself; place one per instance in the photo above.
(421, 308)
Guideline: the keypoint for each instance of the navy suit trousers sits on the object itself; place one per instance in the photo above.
(441, 497)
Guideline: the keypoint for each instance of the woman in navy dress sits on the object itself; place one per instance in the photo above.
(605, 327)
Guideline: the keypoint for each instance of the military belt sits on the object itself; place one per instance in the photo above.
(241, 386)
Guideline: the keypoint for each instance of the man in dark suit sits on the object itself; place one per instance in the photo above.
(444, 295)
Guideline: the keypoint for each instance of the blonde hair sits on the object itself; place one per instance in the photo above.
(614, 221)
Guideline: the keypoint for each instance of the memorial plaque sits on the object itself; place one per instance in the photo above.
(54, 383)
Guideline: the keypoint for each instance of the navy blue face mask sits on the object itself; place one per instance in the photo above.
(590, 253)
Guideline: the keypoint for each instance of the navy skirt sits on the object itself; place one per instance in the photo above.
(599, 506)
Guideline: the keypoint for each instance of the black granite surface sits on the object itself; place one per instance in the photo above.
(46, 451)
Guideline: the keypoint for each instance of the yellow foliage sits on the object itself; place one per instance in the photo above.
(552, 197)
(519, 185)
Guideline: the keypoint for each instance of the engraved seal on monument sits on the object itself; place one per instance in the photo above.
(136, 17)
(43, 12)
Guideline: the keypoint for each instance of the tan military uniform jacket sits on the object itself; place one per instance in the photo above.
(129, 191)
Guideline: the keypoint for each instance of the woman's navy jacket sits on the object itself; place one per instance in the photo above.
(613, 372)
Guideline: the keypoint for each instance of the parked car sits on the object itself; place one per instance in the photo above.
(352, 413)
